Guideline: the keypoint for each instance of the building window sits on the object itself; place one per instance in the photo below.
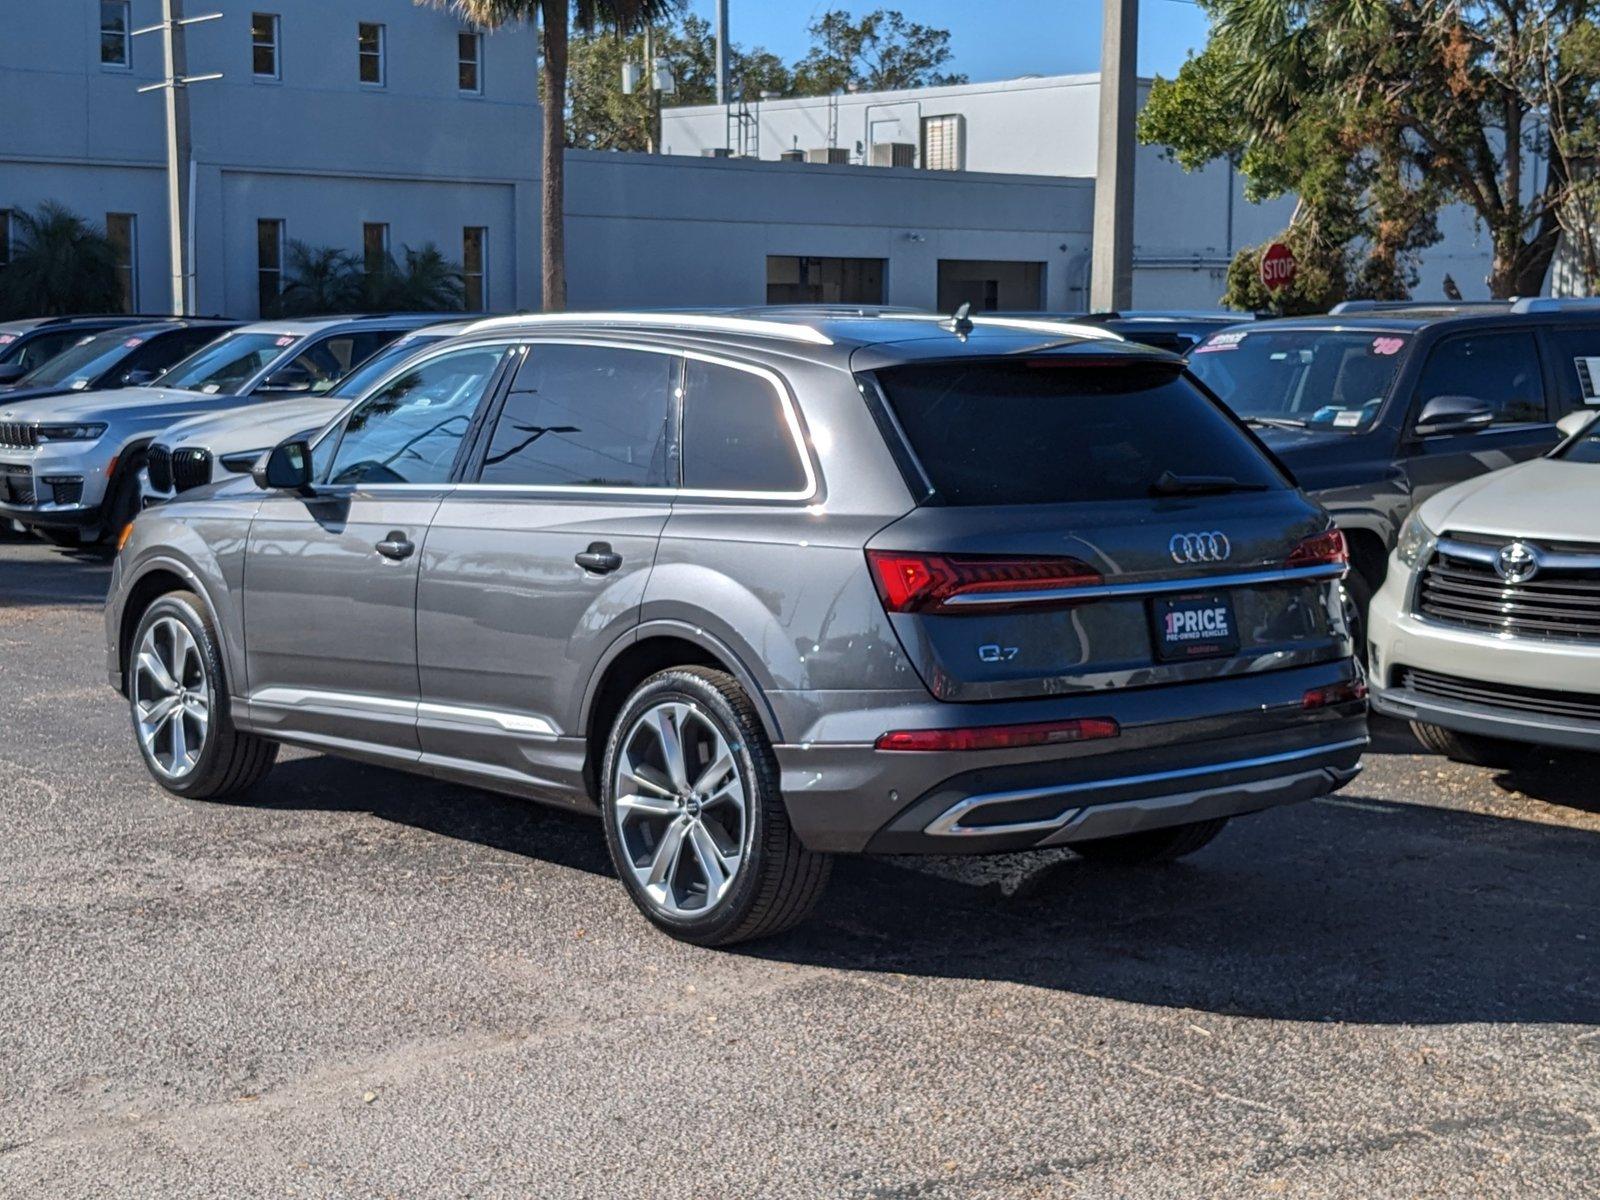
(269, 265)
(115, 42)
(120, 233)
(469, 62)
(990, 285)
(264, 46)
(943, 143)
(374, 245)
(369, 38)
(796, 279)
(474, 274)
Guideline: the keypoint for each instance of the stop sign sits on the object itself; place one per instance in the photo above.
(1277, 267)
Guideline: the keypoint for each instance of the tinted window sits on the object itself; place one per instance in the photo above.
(370, 371)
(37, 351)
(735, 437)
(1585, 449)
(330, 359)
(1050, 431)
(585, 415)
(1499, 369)
(161, 352)
(410, 431)
(81, 364)
(1577, 365)
(1314, 377)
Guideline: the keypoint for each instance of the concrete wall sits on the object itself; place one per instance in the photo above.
(317, 148)
(668, 230)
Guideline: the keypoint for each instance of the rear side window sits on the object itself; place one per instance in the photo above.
(585, 416)
(736, 435)
(1499, 369)
(1053, 431)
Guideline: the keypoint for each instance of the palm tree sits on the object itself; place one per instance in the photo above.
(425, 282)
(319, 280)
(60, 264)
(555, 18)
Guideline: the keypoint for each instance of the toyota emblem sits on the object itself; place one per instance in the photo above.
(1517, 563)
(1212, 546)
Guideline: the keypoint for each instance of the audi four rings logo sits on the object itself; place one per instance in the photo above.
(1212, 546)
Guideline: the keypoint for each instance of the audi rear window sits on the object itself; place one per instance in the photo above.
(1054, 431)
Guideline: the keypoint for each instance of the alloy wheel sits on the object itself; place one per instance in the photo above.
(171, 698)
(680, 808)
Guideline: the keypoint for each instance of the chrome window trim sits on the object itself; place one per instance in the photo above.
(1155, 586)
(948, 823)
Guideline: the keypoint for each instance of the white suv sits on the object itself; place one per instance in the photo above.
(1487, 630)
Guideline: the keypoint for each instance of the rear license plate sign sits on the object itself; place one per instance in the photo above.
(1193, 626)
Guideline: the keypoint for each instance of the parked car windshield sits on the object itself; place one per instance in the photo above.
(1051, 431)
(223, 367)
(1316, 378)
(83, 363)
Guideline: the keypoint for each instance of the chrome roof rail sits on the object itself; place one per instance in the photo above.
(1556, 304)
(1028, 324)
(788, 331)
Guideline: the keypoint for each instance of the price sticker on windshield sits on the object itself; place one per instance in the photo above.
(7, 338)
(133, 343)
(1221, 341)
(1387, 345)
(286, 340)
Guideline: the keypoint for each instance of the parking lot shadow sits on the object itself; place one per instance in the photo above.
(40, 574)
(1357, 911)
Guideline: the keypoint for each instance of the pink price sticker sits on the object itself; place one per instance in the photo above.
(7, 338)
(133, 343)
(1387, 345)
(286, 340)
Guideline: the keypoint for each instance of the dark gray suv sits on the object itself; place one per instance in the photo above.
(761, 591)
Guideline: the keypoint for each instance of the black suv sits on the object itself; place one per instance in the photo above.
(121, 356)
(1375, 407)
(34, 341)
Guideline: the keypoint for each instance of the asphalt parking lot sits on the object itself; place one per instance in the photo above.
(361, 983)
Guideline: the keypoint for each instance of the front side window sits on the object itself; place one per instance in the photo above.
(411, 430)
(269, 266)
(469, 63)
(120, 233)
(1499, 370)
(588, 416)
(115, 35)
(1051, 431)
(264, 61)
(1315, 378)
(369, 40)
(328, 360)
(225, 366)
(736, 435)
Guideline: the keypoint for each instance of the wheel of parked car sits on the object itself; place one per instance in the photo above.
(1152, 846)
(179, 705)
(694, 820)
(1470, 748)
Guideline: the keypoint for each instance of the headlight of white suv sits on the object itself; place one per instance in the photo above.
(71, 433)
(1415, 543)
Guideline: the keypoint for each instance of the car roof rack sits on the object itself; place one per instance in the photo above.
(1026, 324)
(711, 323)
(1555, 304)
(1353, 307)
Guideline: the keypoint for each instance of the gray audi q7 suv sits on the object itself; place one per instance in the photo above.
(761, 591)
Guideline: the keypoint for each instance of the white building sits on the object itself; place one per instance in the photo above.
(336, 122)
(1187, 226)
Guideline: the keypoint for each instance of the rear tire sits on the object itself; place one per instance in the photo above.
(178, 699)
(1151, 846)
(1471, 748)
(1356, 593)
(694, 820)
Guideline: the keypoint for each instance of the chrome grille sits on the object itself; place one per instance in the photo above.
(1543, 701)
(158, 465)
(191, 467)
(1460, 586)
(18, 435)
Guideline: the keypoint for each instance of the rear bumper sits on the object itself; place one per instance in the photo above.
(1185, 753)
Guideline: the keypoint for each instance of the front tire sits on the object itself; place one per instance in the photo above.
(1471, 748)
(693, 817)
(179, 705)
(1150, 846)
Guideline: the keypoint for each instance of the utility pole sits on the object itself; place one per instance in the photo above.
(179, 150)
(722, 51)
(1111, 264)
(652, 97)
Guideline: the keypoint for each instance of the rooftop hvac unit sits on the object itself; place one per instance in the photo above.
(792, 156)
(838, 155)
(716, 152)
(893, 154)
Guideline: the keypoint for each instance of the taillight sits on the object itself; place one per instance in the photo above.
(1321, 549)
(1337, 693)
(912, 582)
(1000, 737)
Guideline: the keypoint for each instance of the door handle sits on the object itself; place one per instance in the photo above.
(396, 546)
(599, 558)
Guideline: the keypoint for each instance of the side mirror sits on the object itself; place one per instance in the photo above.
(293, 378)
(286, 468)
(12, 372)
(138, 377)
(1453, 414)
(1575, 423)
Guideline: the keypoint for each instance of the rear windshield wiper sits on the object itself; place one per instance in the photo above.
(1169, 484)
(1275, 422)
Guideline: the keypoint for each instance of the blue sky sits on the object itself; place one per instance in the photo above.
(992, 39)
